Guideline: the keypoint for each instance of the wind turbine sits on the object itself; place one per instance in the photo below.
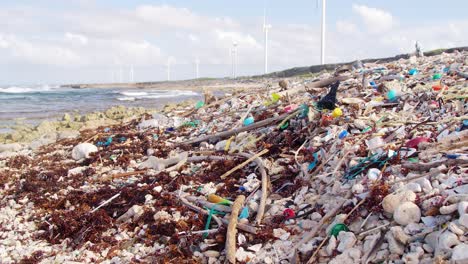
(169, 69)
(234, 59)
(197, 64)
(131, 74)
(322, 53)
(265, 29)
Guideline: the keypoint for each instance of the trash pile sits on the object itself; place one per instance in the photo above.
(364, 165)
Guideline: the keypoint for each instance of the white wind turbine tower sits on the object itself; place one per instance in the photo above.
(234, 59)
(131, 74)
(169, 62)
(197, 65)
(265, 29)
(322, 53)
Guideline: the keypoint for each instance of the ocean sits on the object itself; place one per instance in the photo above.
(34, 104)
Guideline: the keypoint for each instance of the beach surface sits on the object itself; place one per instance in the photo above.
(364, 164)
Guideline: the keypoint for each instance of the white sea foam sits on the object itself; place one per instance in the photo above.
(154, 94)
(126, 98)
(30, 89)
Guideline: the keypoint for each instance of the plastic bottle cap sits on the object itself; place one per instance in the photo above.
(343, 134)
(336, 229)
(248, 121)
(289, 213)
(392, 95)
(337, 112)
(413, 71)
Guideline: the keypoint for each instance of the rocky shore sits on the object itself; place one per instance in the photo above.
(366, 164)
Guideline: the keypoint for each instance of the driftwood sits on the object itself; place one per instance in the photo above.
(434, 164)
(265, 184)
(240, 166)
(229, 133)
(232, 229)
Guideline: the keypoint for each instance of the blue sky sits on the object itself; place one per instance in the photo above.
(56, 41)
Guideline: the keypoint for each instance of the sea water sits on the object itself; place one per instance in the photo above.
(34, 104)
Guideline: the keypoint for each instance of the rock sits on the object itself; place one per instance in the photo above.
(455, 229)
(75, 171)
(255, 248)
(463, 220)
(280, 233)
(406, 213)
(331, 246)
(448, 240)
(67, 134)
(425, 184)
(393, 245)
(211, 254)
(13, 147)
(244, 256)
(448, 209)
(460, 254)
(413, 257)
(357, 188)
(412, 186)
(221, 145)
(347, 240)
(393, 200)
(83, 150)
(66, 117)
(283, 84)
(399, 234)
(463, 207)
(133, 213)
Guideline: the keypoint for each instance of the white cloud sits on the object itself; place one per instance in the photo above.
(346, 27)
(83, 40)
(376, 20)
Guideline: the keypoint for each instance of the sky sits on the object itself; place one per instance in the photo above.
(92, 41)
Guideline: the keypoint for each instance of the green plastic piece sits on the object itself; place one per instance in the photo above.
(437, 76)
(337, 229)
(275, 97)
(413, 159)
(199, 104)
(285, 125)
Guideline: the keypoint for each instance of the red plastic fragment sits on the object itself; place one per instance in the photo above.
(289, 213)
(414, 143)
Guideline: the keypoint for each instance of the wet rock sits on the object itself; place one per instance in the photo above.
(406, 213)
(83, 150)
